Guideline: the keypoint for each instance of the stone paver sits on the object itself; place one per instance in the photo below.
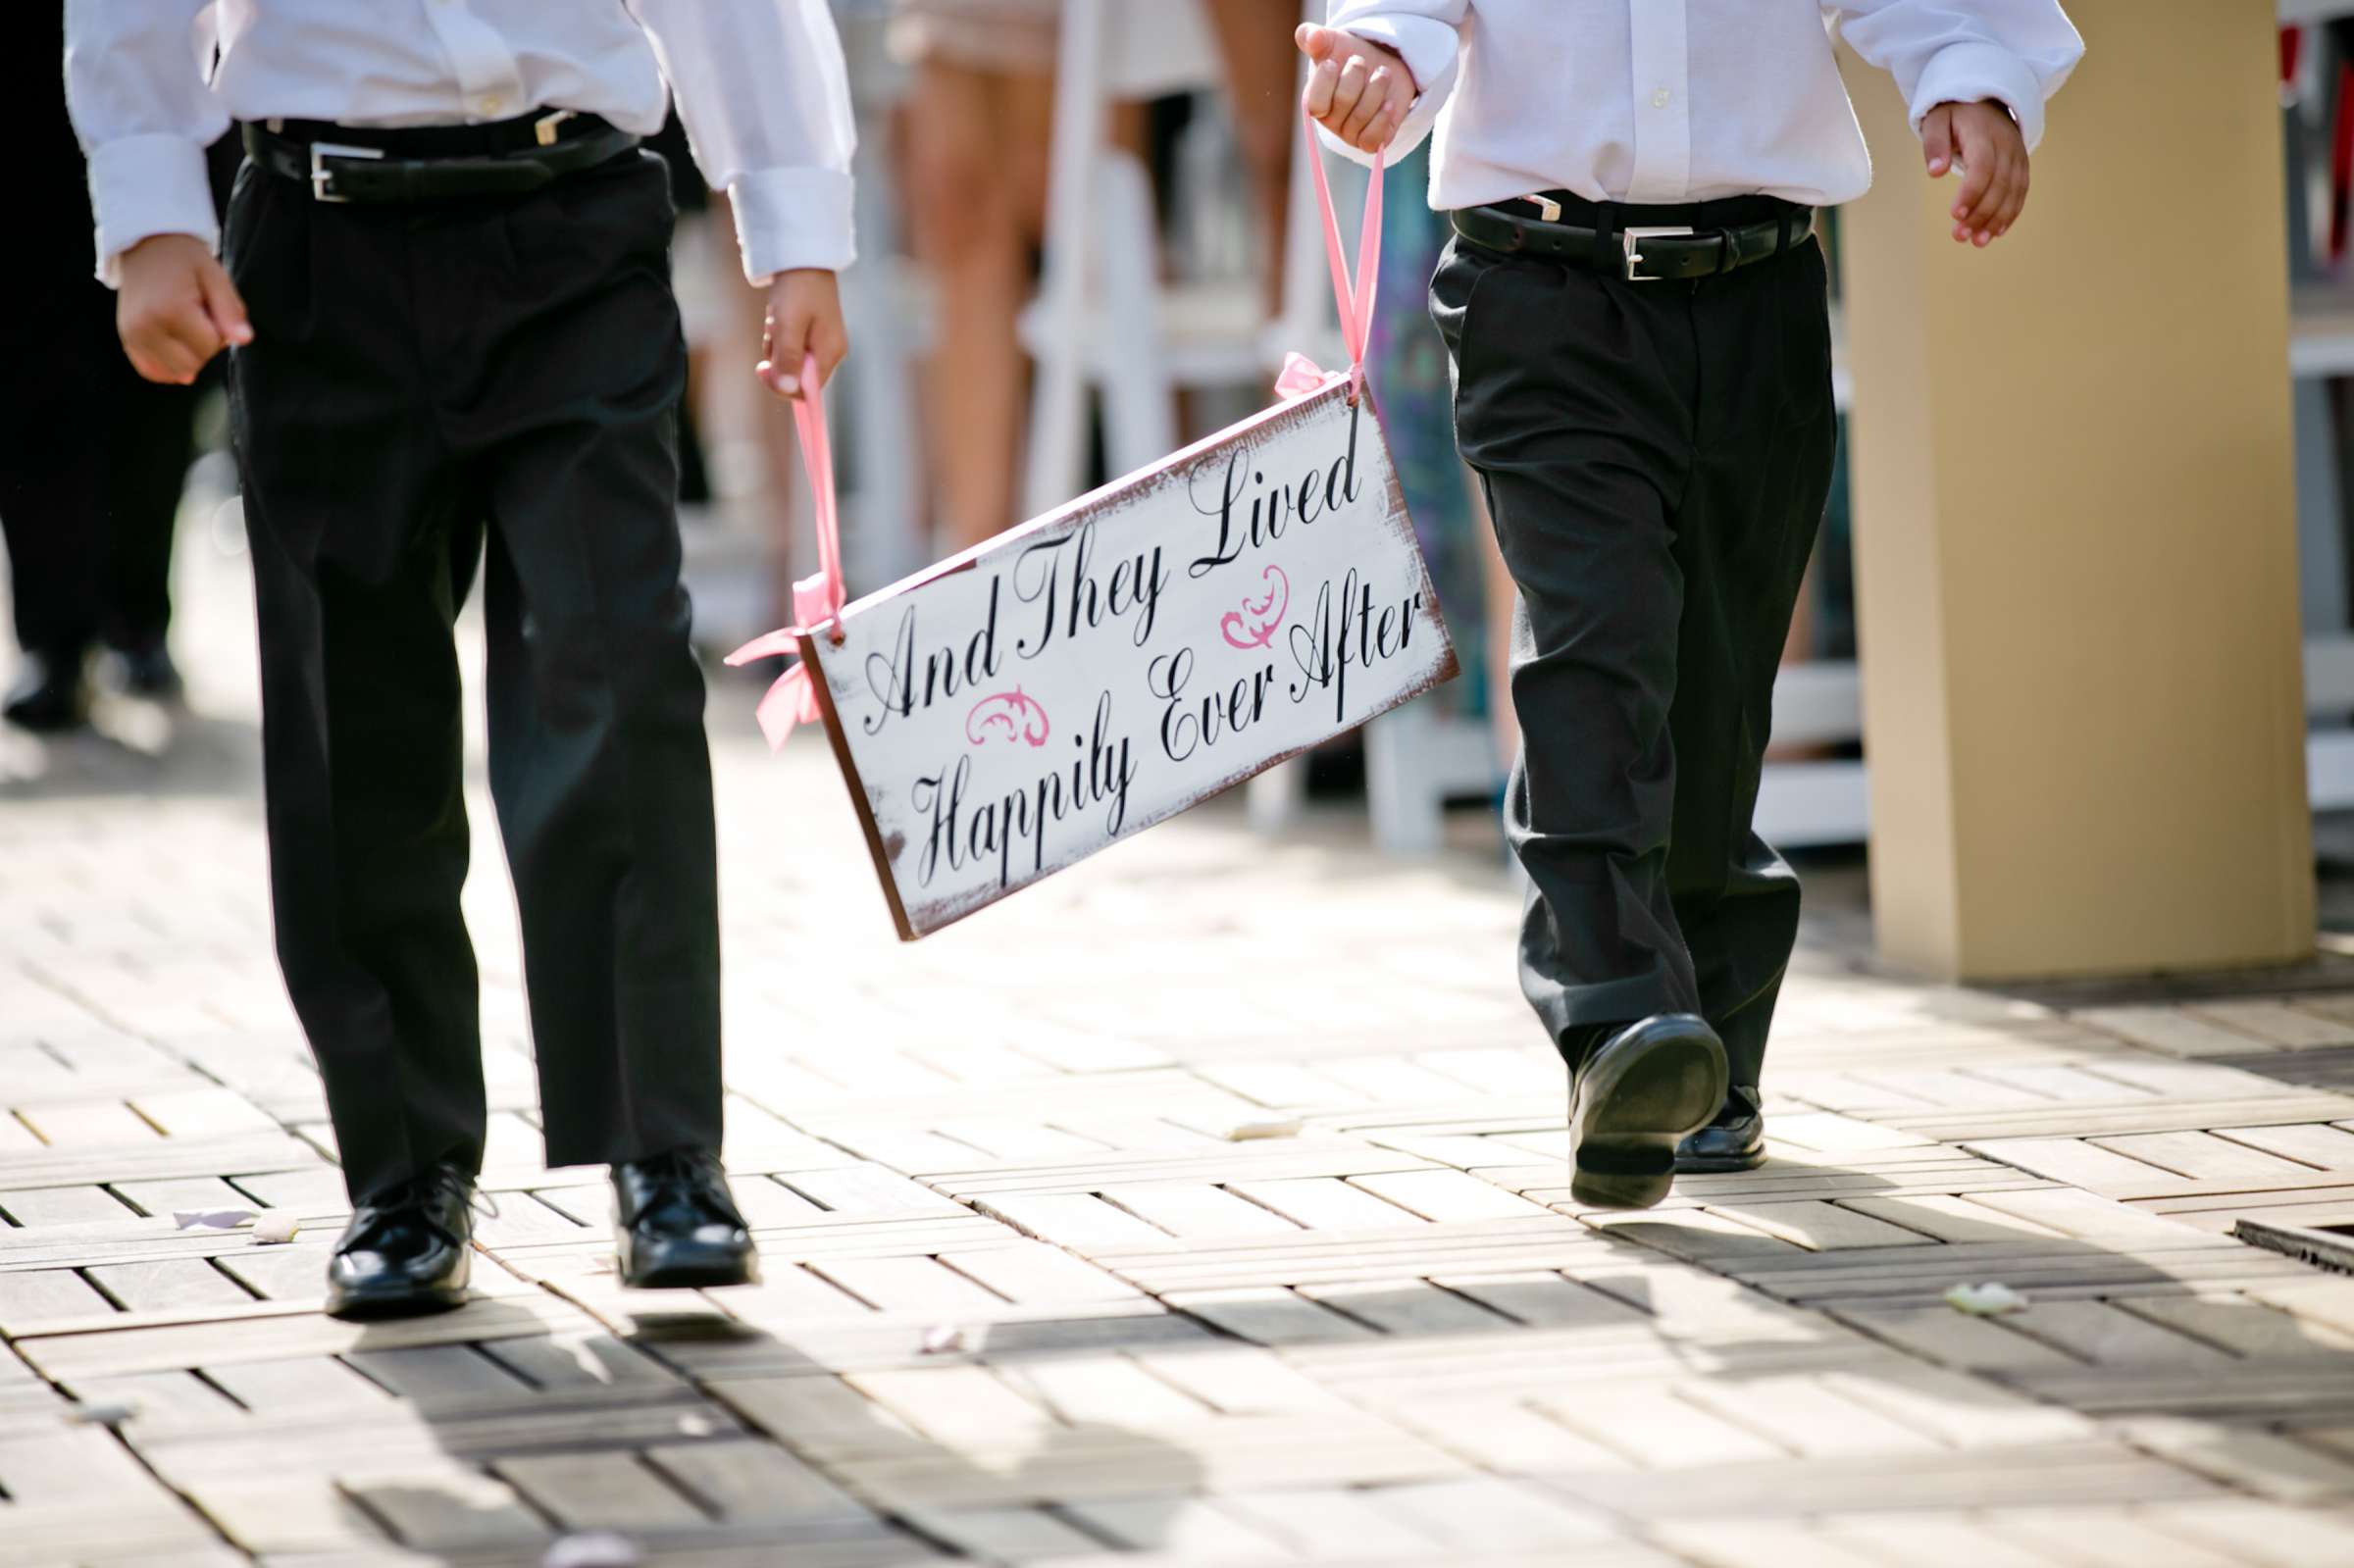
(1027, 1302)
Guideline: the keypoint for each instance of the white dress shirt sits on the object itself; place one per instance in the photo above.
(760, 84)
(1665, 101)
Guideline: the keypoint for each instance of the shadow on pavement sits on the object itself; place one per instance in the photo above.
(135, 748)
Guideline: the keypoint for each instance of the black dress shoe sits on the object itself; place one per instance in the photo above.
(678, 1227)
(50, 695)
(1735, 1142)
(148, 672)
(406, 1250)
(1633, 1099)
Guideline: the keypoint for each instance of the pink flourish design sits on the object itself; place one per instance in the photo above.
(1254, 625)
(1007, 716)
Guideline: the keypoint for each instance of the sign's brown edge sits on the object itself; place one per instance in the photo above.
(849, 773)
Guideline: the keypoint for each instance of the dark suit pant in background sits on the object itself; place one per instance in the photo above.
(92, 458)
(1656, 456)
(92, 462)
(420, 373)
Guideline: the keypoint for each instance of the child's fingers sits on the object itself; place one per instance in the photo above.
(1346, 91)
(1321, 84)
(1982, 217)
(2010, 195)
(777, 380)
(1978, 177)
(2007, 161)
(1399, 104)
(222, 304)
(160, 356)
(2019, 200)
(1369, 104)
(1983, 167)
(190, 340)
(1938, 140)
(783, 348)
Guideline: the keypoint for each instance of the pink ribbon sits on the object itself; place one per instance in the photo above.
(1354, 297)
(817, 600)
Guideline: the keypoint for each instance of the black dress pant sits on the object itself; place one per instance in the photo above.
(417, 373)
(1656, 456)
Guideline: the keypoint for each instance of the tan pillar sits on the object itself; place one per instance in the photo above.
(2075, 526)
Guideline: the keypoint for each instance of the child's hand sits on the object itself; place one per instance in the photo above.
(1358, 91)
(177, 308)
(805, 318)
(1985, 140)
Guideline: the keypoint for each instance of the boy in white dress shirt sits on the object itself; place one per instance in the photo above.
(1635, 308)
(448, 312)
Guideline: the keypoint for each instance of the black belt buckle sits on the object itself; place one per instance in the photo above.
(1630, 242)
(323, 178)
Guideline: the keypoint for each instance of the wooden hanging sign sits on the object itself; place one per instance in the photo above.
(1094, 672)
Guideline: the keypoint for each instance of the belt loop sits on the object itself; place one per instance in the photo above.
(1781, 232)
(1605, 234)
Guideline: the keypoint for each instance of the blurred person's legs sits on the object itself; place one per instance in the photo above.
(373, 426)
(155, 439)
(55, 437)
(58, 347)
(1262, 76)
(977, 120)
(1655, 457)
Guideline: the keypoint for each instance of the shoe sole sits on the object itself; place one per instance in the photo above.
(706, 1273)
(693, 1277)
(1638, 1102)
(47, 724)
(408, 1304)
(1718, 1165)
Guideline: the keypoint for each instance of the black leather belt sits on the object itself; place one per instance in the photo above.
(1637, 252)
(434, 163)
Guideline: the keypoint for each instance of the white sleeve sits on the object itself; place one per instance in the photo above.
(135, 85)
(2014, 52)
(765, 98)
(1426, 35)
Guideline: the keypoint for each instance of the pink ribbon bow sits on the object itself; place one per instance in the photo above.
(817, 601)
(1300, 375)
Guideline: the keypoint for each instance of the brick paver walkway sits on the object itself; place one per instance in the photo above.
(1031, 1299)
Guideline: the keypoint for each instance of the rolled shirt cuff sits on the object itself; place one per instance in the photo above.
(793, 218)
(1980, 73)
(141, 186)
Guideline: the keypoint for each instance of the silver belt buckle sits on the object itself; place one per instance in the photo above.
(1630, 238)
(322, 175)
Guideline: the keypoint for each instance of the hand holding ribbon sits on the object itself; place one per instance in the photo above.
(1354, 297)
(817, 600)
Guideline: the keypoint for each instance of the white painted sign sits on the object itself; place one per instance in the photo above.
(1098, 670)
